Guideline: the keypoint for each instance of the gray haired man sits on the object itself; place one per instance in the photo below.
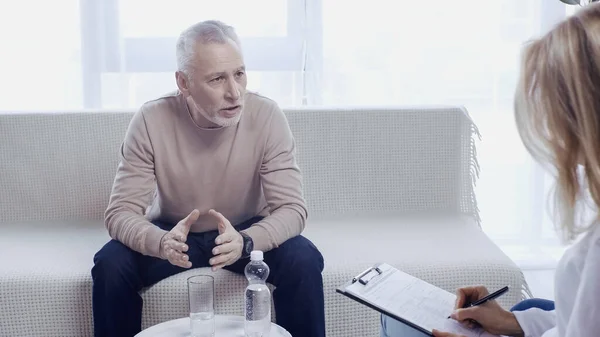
(207, 174)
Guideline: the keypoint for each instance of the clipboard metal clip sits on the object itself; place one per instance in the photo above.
(360, 277)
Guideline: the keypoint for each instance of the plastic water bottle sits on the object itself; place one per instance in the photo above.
(258, 297)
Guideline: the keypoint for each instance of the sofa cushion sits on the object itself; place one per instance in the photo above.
(45, 281)
(45, 271)
(447, 252)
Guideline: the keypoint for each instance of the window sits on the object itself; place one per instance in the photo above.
(40, 58)
(402, 52)
(135, 59)
(117, 54)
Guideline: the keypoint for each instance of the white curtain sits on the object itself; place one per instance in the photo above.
(115, 54)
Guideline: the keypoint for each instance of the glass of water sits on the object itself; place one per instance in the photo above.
(201, 292)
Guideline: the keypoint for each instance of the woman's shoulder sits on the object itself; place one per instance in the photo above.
(584, 251)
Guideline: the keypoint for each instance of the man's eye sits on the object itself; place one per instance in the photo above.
(240, 73)
(217, 79)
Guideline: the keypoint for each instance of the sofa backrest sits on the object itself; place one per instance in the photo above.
(393, 160)
(58, 165)
(354, 161)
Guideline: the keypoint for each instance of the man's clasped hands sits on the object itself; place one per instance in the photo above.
(228, 243)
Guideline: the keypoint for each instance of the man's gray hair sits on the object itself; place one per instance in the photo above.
(210, 31)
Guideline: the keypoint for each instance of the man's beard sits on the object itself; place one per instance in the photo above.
(218, 119)
(223, 121)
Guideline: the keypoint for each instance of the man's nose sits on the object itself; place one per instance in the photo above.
(233, 92)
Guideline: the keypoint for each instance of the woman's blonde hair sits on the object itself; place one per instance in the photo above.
(557, 110)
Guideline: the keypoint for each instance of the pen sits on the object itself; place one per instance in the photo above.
(489, 297)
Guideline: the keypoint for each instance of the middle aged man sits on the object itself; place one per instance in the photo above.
(192, 164)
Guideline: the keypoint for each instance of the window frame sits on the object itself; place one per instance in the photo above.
(103, 50)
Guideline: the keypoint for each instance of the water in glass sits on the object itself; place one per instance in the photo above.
(202, 324)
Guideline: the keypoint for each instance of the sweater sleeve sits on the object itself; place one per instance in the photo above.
(132, 190)
(282, 186)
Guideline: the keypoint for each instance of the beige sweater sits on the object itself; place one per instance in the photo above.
(169, 166)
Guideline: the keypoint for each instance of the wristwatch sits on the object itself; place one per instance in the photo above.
(248, 245)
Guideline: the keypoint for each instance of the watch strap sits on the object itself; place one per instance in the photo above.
(248, 245)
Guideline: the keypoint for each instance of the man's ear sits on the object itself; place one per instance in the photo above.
(182, 83)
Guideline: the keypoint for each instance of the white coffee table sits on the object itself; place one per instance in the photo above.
(225, 326)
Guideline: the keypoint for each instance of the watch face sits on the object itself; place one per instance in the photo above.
(247, 245)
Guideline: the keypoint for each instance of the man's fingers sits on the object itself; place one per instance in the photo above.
(219, 217)
(224, 238)
(216, 214)
(221, 259)
(175, 255)
(176, 245)
(217, 267)
(180, 260)
(223, 223)
(182, 264)
(192, 217)
(182, 229)
(187, 223)
(222, 227)
(225, 248)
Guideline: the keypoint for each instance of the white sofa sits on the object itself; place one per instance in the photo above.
(382, 185)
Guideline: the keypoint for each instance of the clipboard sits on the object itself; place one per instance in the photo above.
(407, 299)
(364, 278)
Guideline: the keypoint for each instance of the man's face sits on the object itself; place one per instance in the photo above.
(216, 86)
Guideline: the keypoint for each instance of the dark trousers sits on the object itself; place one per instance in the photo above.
(119, 273)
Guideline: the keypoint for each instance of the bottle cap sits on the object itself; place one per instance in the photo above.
(256, 255)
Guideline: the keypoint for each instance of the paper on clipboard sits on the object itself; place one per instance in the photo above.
(401, 295)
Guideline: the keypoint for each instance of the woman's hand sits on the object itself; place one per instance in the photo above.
(437, 333)
(490, 315)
